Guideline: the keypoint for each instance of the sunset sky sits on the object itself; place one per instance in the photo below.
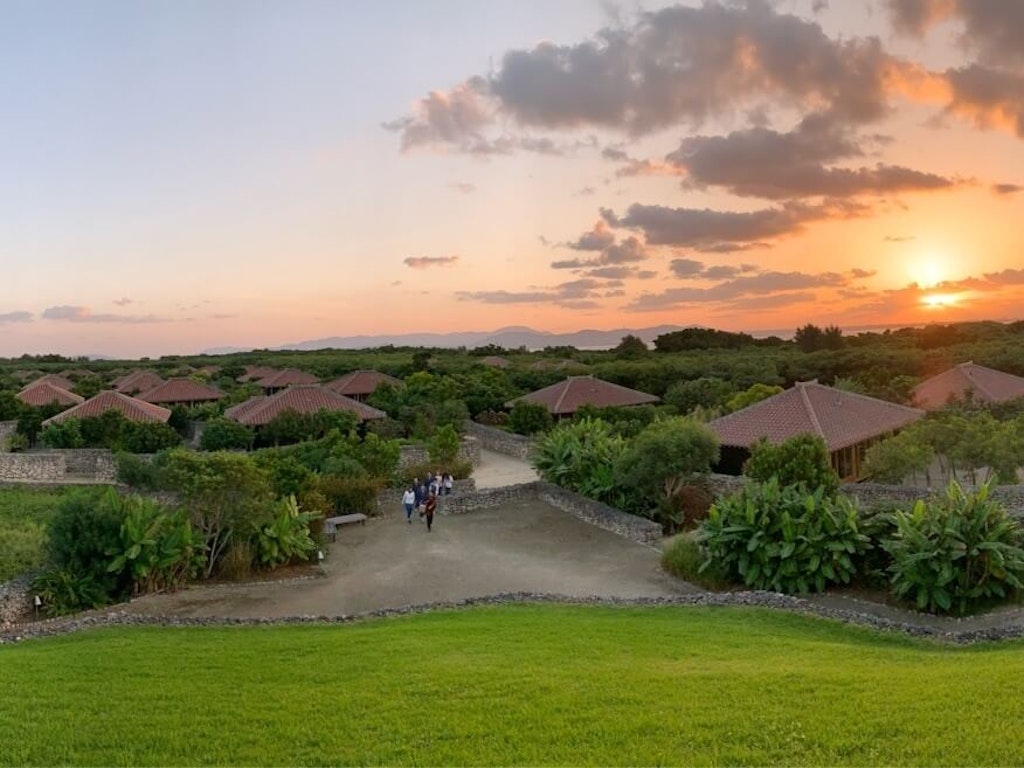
(184, 175)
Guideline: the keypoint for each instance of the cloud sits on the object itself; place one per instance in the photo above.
(776, 301)
(686, 268)
(80, 314)
(18, 316)
(990, 98)
(425, 262)
(628, 251)
(1007, 189)
(677, 65)
(899, 238)
(123, 302)
(760, 162)
(573, 294)
(597, 239)
(463, 186)
(766, 283)
(994, 29)
(707, 229)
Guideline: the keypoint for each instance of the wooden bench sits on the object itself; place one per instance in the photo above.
(331, 523)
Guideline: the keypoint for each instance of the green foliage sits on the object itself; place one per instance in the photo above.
(63, 434)
(85, 528)
(288, 476)
(683, 558)
(957, 553)
(894, 459)
(631, 348)
(625, 421)
(285, 537)
(782, 538)
(65, 591)
(653, 468)
(801, 460)
(755, 393)
(580, 456)
(222, 434)
(138, 472)
(290, 426)
(701, 338)
(528, 418)
(223, 492)
(345, 494)
(158, 548)
(706, 392)
(144, 437)
(25, 513)
(443, 446)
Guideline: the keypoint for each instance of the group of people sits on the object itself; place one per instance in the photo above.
(422, 497)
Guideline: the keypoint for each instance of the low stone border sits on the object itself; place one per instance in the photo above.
(770, 600)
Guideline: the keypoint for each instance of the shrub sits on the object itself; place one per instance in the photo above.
(224, 434)
(443, 447)
(956, 553)
(288, 477)
(581, 456)
(525, 418)
(64, 591)
(783, 538)
(21, 547)
(683, 558)
(237, 562)
(63, 434)
(138, 473)
(85, 528)
(349, 494)
(494, 419)
(802, 461)
(285, 537)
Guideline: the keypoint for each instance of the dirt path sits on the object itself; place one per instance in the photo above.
(526, 546)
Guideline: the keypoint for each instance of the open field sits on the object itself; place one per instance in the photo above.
(24, 513)
(513, 685)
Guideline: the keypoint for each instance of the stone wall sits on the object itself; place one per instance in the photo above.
(500, 441)
(59, 465)
(32, 467)
(15, 601)
(389, 500)
(7, 429)
(412, 455)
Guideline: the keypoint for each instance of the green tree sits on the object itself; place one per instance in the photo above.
(528, 418)
(707, 392)
(894, 459)
(224, 434)
(630, 348)
(809, 338)
(800, 461)
(754, 394)
(443, 447)
(580, 456)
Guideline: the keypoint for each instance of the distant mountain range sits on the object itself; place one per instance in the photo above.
(511, 337)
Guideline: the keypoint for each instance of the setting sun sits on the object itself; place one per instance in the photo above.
(940, 300)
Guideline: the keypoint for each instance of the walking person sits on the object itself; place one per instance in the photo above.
(409, 501)
(429, 508)
(448, 482)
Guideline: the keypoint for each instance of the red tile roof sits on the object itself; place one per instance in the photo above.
(181, 391)
(494, 360)
(287, 378)
(841, 418)
(987, 385)
(131, 408)
(361, 383)
(38, 394)
(137, 381)
(567, 396)
(302, 398)
(256, 372)
(55, 380)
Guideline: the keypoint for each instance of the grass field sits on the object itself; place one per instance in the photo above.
(24, 513)
(513, 685)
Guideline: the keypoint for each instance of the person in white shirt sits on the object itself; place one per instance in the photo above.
(409, 501)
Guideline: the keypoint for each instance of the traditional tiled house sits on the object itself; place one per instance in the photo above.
(967, 380)
(289, 377)
(305, 399)
(359, 385)
(181, 391)
(848, 423)
(131, 408)
(43, 393)
(137, 381)
(566, 397)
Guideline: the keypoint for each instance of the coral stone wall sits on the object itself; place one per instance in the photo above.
(411, 455)
(15, 600)
(7, 429)
(32, 467)
(500, 441)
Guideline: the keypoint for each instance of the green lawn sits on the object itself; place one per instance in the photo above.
(513, 685)
(24, 513)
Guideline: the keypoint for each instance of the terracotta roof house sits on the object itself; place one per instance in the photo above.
(256, 372)
(209, 370)
(849, 424)
(982, 384)
(565, 397)
(54, 379)
(39, 394)
(131, 408)
(181, 392)
(137, 381)
(309, 399)
(359, 385)
(289, 377)
(78, 373)
(495, 361)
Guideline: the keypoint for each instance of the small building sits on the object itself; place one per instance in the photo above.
(131, 408)
(255, 373)
(56, 380)
(289, 377)
(42, 393)
(967, 380)
(848, 423)
(181, 391)
(566, 397)
(305, 399)
(137, 381)
(495, 361)
(359, 385)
